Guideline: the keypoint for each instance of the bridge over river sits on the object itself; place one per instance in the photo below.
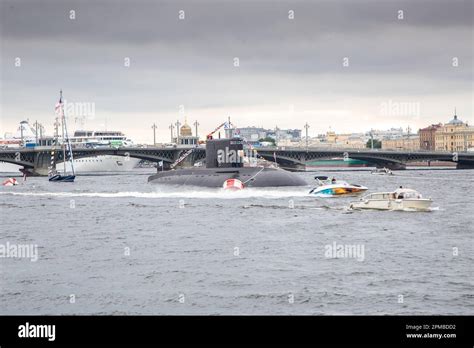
(395, 160)
(36, 160)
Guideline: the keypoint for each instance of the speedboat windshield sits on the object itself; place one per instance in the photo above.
(333, 182)
(413, 194)
(407, 193)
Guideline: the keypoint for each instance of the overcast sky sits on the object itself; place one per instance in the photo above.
(290, 71)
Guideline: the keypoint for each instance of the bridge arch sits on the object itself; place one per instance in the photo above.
(20, 163)
(301, 158)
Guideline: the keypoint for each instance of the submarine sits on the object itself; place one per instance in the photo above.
(224, 161)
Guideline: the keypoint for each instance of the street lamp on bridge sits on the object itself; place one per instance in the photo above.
(154, 133)
(371, 138)
(306, 126)
(171, 127)
(177, 131)
(196, 124)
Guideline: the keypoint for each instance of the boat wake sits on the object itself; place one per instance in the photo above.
(349, 209)
(295, 207)
(191, 193)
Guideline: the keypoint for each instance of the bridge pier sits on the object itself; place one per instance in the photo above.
(33, 171)
(295, 167)
(465, 165)
(392, 165)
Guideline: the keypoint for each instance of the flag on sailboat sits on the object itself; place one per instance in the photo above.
(58, 106)
(160, 163)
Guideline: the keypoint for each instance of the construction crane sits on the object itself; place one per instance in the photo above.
(209, 136)
(181, 158)
(223, 124)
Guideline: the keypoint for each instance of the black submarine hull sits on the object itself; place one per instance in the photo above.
(215, 177)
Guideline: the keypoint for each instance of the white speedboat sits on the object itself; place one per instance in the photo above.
(401, 199)
(333, 187)
(381, 171)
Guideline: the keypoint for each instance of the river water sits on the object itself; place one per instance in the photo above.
(119, 245)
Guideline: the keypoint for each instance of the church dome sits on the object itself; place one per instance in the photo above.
(455, 120)
(185, 130)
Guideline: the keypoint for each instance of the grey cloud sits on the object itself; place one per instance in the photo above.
(190, 62)
(136, 22)
(259, 33)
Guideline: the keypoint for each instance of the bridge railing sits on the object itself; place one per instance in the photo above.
(345, 149)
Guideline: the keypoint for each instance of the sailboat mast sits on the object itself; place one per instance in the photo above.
(56, 176)
(68, 142)
(52, 168)
(62, 133)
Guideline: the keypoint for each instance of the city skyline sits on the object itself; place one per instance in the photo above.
(48, 130)
(379, 134)
(348, 66)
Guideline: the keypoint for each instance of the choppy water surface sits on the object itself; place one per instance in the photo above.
(206, 251)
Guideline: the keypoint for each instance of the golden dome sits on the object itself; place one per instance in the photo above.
(185, 130)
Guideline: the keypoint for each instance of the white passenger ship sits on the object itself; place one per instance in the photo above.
(106, 163)
(81, 138)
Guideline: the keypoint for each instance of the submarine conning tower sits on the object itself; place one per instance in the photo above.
(224, 153)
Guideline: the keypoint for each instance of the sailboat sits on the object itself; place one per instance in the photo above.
(54, 175)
